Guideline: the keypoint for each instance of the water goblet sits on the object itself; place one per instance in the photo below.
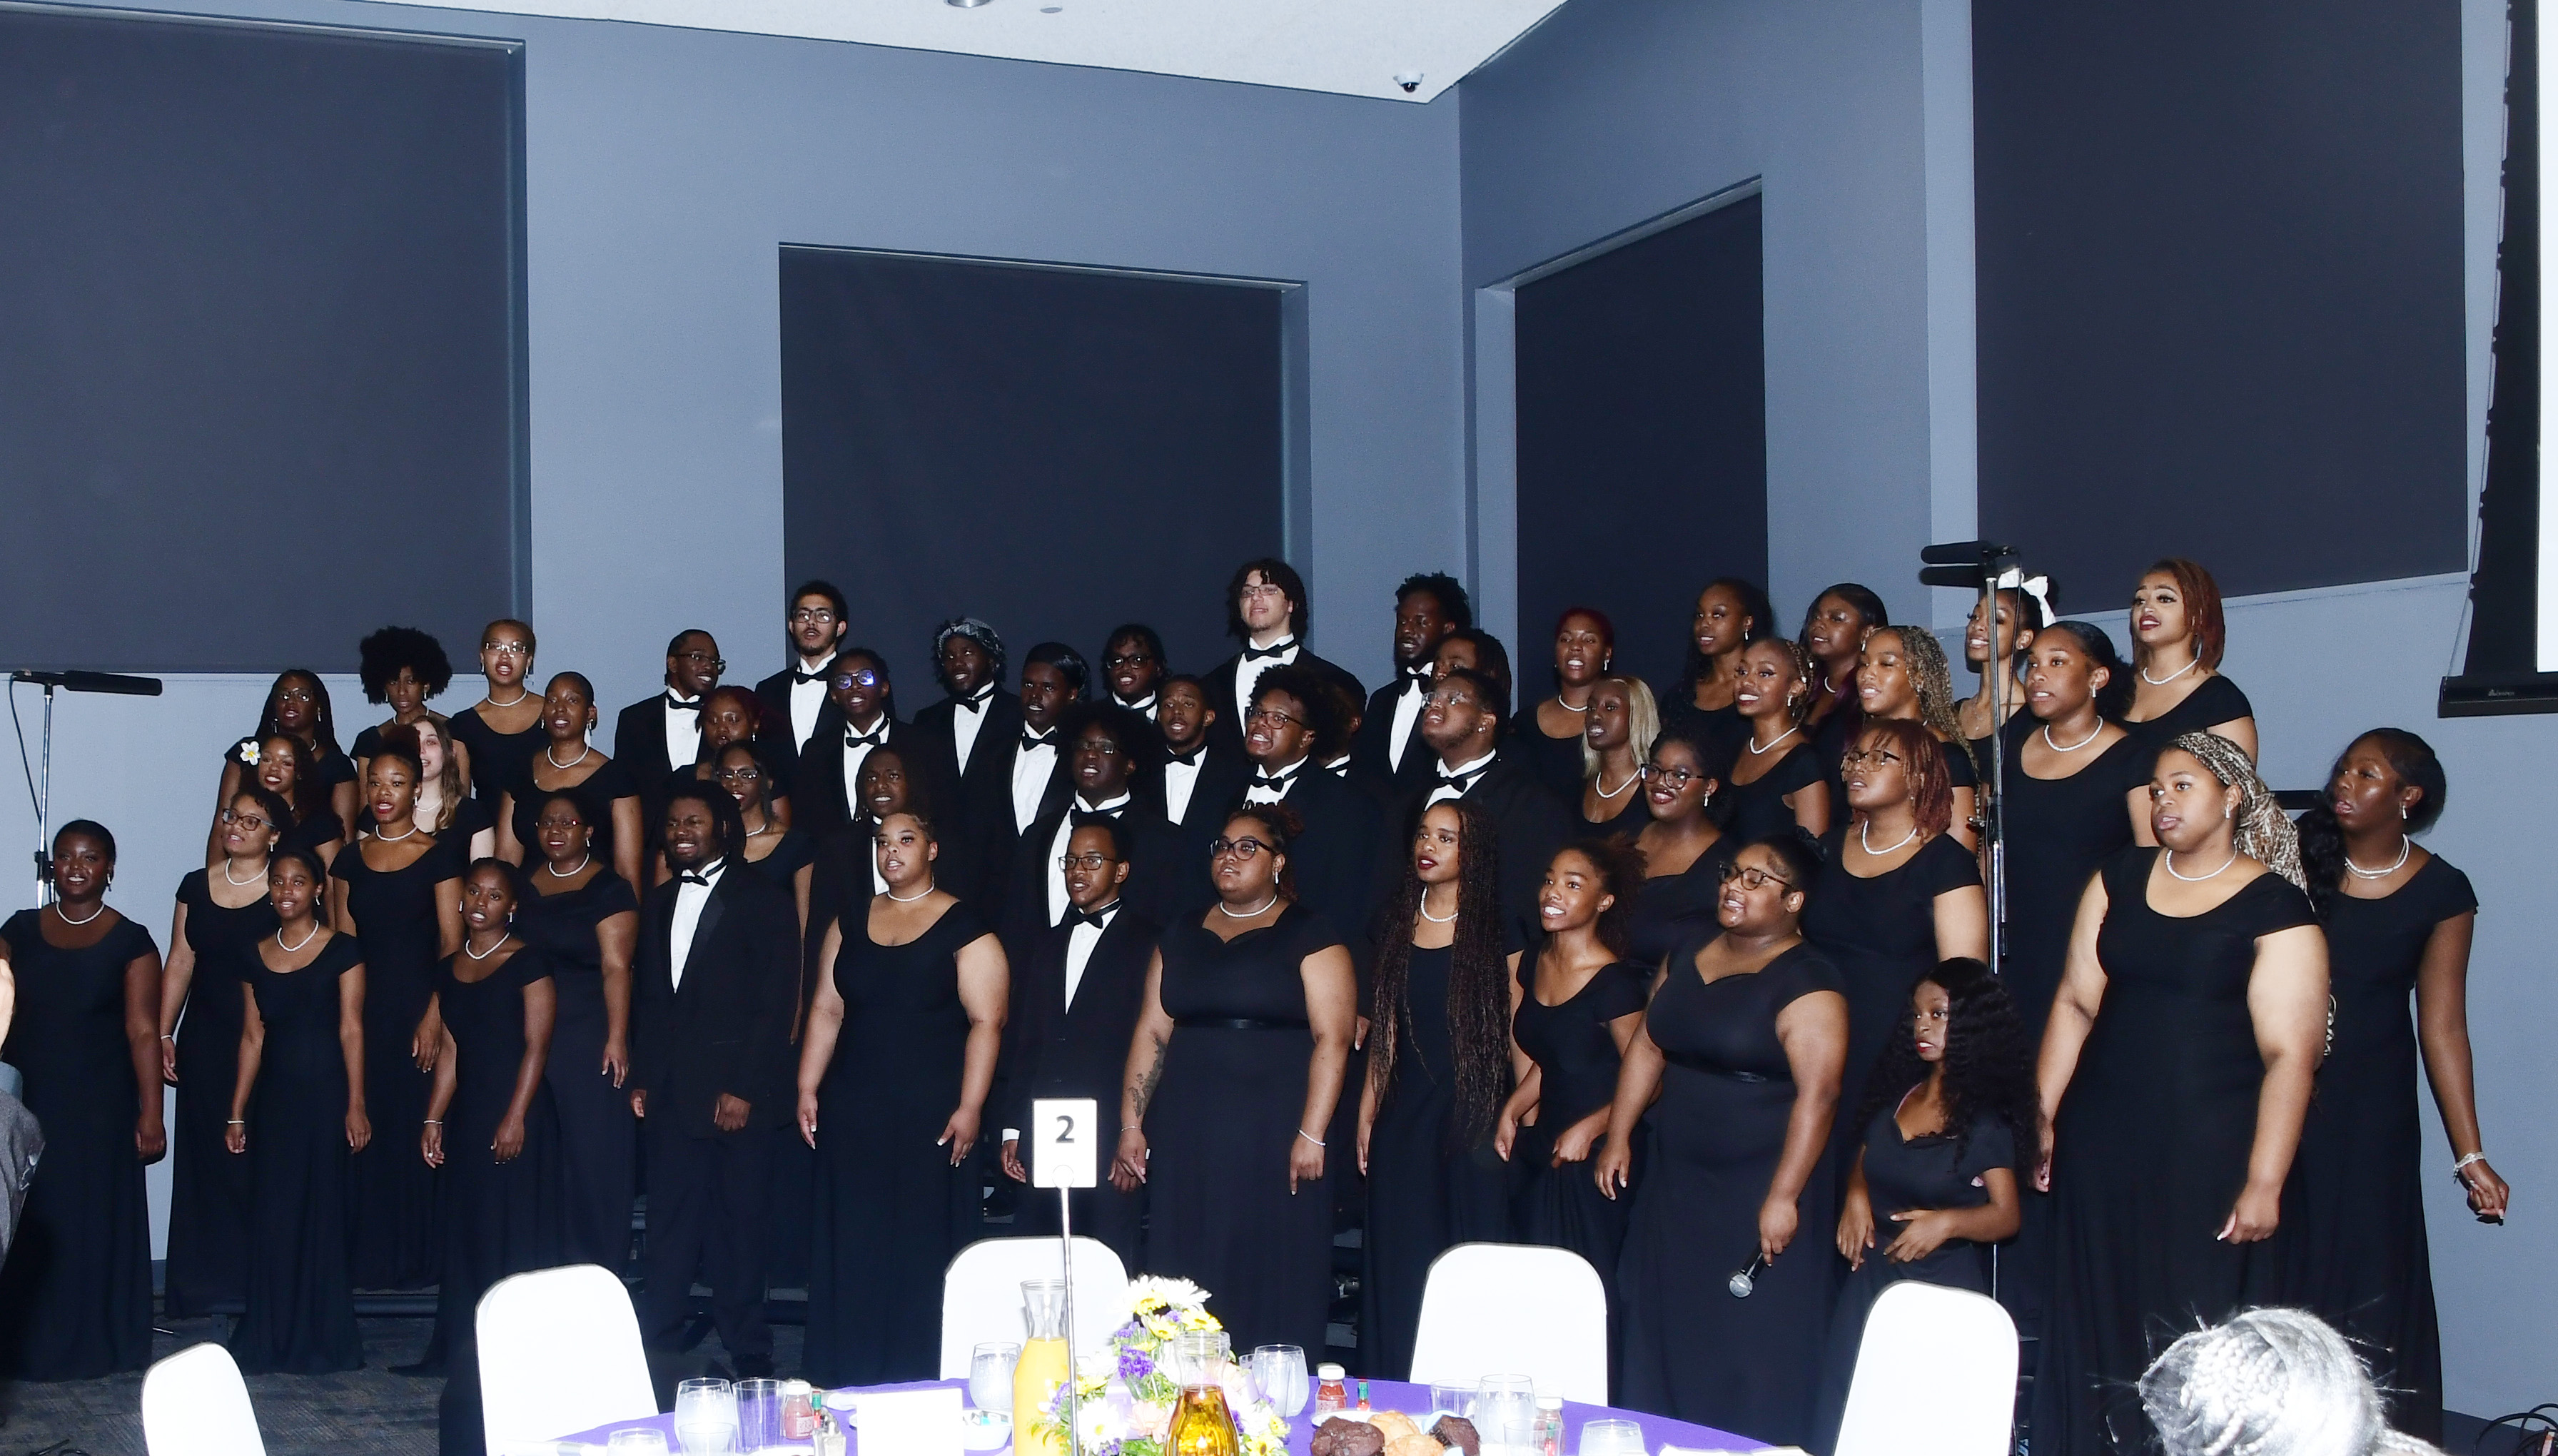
(990, 1375)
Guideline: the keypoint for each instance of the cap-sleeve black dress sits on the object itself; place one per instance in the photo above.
(1692, 1351)
(207, 1186)
(1757, 808)
(301, 1314)
(1576, 1056)
(75, 1292)
(599, 1138)
(2057, 831)
(595, 795)
(498, 759)
(2359, 1252)
(2217, 700)
(1223, 1122)
(2150, 1152)
(1671, 910)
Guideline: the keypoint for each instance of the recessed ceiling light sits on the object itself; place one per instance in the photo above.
(1052, 10)
(963, 4)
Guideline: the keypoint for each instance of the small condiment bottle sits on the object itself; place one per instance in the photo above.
(1331, 1391)
(1363, 1406)
(828, 1438)
(799, 1411)
(1548, 1438)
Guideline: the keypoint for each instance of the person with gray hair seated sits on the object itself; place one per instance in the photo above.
(21, 1141)
(2268, 1383)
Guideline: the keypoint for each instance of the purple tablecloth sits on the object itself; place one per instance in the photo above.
(1658, 1431)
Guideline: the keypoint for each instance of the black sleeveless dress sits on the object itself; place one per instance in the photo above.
(2359, 1252)
(498, 759)
(301, 1304)
(890, 1211)
(2150, 1151)
(1757, 808)
(208, 1188)
(1693, 1351)
(499, 1219)
(792, 1190)
(599, 1139)
(75, 1292)
(1577, 1059)
(1223, 1122)
(395, 1238)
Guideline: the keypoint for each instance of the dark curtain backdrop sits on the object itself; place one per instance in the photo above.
(1053, 451)
(260, 334)
(2220, 282)
(1642, 439)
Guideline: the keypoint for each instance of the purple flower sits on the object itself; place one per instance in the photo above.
(1134, 1364)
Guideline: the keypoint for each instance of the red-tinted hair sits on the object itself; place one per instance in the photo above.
(1923, 763)
(2201, 596)
(1607, 629)
(747, 703)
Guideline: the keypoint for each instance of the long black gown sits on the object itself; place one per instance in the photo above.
(1577, 1059)
(396, 1239)
(1881, 933)
(1429, 1186)
(1628, 813)
(75, 1292)
(794, 1164)
(498, 759)
(1692, 1351)
(2359, 1252)
(1936, 1171)
(1223, 1122)
(599, 1139)
(2150, 1151)
(595, 795)
(208, 1188)
(890, 1211)
(301, 1304)
(1758, 808)
(1672, 910)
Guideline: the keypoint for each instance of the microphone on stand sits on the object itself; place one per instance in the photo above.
(77, 681)
(40, 789)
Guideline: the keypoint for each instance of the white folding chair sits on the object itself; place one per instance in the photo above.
(981, 1293)
(559, 1353)
(194, 1404)
(1948, 1352)
(1514, 1309)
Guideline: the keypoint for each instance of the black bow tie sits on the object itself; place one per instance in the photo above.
(1459, 782)
(693, 877)
(1032, 740)
(820, 675)
(1417, 673)
(1252, 653)
(1189, 760)
(1263, 779)
(1099, 920)
(1082, 816)
(975, 703)
(681, 706)
(872, 739)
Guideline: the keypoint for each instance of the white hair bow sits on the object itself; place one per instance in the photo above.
(2014, 579)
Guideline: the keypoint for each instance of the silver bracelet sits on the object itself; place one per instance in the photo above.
(1310, 1137)
(2476, 1157)
(236, 1122)
(434, 1122)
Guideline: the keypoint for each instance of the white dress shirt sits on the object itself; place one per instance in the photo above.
(1248, 671)
(1471, 772)
(683, 729)
(1407, 710)
(1179, 779)
(1269, 786)
(1079, 943)
(965, 723)
(806, 698)
(1145, 705)
(1033, 767)
(856, 754)
(689, 900)
(1058, 898)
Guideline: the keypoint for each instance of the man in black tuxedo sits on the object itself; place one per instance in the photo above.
(792, 697)
(967, 738)
(1104, 747)
(1267, 608)
(664, 731)
(1461, 724)
(1133, 666)
(860, 715)
(1194, 783)
(1389, 751)
(713, 981)
(1028, 779)
(1334, 857)
(1076, 996)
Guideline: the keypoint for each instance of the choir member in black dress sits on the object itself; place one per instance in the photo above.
(284, 768)
(733, 715)
(1133, 667)
(815, 624)
(1438, 1074)
(1463, 726)
(2173, 1077)
(585, 921)
(1233, 1076)
(2399, 922)
(297, 1118)
(1742, 1046)
(1577, 1004)
(1931, 1172)
(223, 910)
(1585, 651)
(1074, 1003)
(1833, 639)
(397, 891)
(297, 707)
(75, 1292)
(968, 741)
(1621, 725)
(1902, 675)
(662, 732)
(860, 715)
(1198, 780)
(1388, 752)
(1268, 611)
(710, 1073)
(788, 857)
(2178, 634)
(785, 855)
(1730, 615)
(1900, 895)
(1684, 847)
(896, 1068)
(2019, 613)
(403, 667)
(567, 761)
(1104, 747)
(503, 730)
(1778, 778)
(1332, 852)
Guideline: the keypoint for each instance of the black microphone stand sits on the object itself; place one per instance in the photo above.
(1979, 565)
(40, 785)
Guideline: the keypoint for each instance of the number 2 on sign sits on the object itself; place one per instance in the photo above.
(1063, 1154)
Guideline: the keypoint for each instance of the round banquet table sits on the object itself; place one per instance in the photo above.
(1658, 1431)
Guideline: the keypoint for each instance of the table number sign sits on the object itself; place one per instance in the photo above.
(1066, 1142)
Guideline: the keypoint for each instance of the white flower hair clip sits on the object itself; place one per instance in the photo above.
(247, 752)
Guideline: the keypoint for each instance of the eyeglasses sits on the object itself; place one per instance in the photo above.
(745, 775)
(506, 650)
(1097, 745)
(1243, 848)
(1754, 878)
(698, 657)
(847, 682)
(1676, 777)
(1093, 861)
(1271, 716)
(1132, 660)
(251, 823)
(1878, 758)
(1263, 589)
(813, 614)
(1450, 697)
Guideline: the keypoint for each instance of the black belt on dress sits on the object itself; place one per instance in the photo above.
(1237, 1023)
(1728, 1073)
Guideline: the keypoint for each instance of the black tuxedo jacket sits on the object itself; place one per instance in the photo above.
(821, 805)
(1052, 1050)
(727, 1029)
(1368, 751)
(1334, 861)
(1227, 731)
(1154, 865)
(1527, 819)
(779, 741)
(639, 747)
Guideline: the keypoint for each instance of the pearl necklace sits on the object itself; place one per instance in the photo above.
(910, 899)
(395, 838)
(292, 950)
(521, 693)
(1425, 912)
(1772, 743)
(2190, 665)
(584, 752)
(93, 915)
(1862, 842)
(582, 862)
(2073, 748)
(2170, 861)
(2406, 846)
(482, 954)
(235, 884)
(1607, 793)
(1250, 914)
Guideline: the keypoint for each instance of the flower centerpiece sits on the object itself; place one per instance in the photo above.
(1128, 1395)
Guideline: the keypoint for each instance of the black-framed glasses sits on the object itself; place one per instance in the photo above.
(1130, 659)
(1093, 861)
(1097, 745)
(1751, 877)
(741, 774)
(1243, 848)
(1272, 716)
(251, 823)
(1672, 775)
(1450, 697)
(1857, 756)
(698, 657)
(860, 677)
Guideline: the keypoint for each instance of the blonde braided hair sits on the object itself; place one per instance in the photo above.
(2264, 832)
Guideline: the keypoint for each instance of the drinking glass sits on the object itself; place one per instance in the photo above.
(1611, 1438)
(1454, 1399)
(990, 1375)
(1506, 1411)
(706, 1417)
(759, 1416)
(1279, 1372)
(638, 1440)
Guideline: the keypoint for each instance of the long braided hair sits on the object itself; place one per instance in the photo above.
(1989, 1061)
(2266, 1382)
(2264, 832)
(1478, 993)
